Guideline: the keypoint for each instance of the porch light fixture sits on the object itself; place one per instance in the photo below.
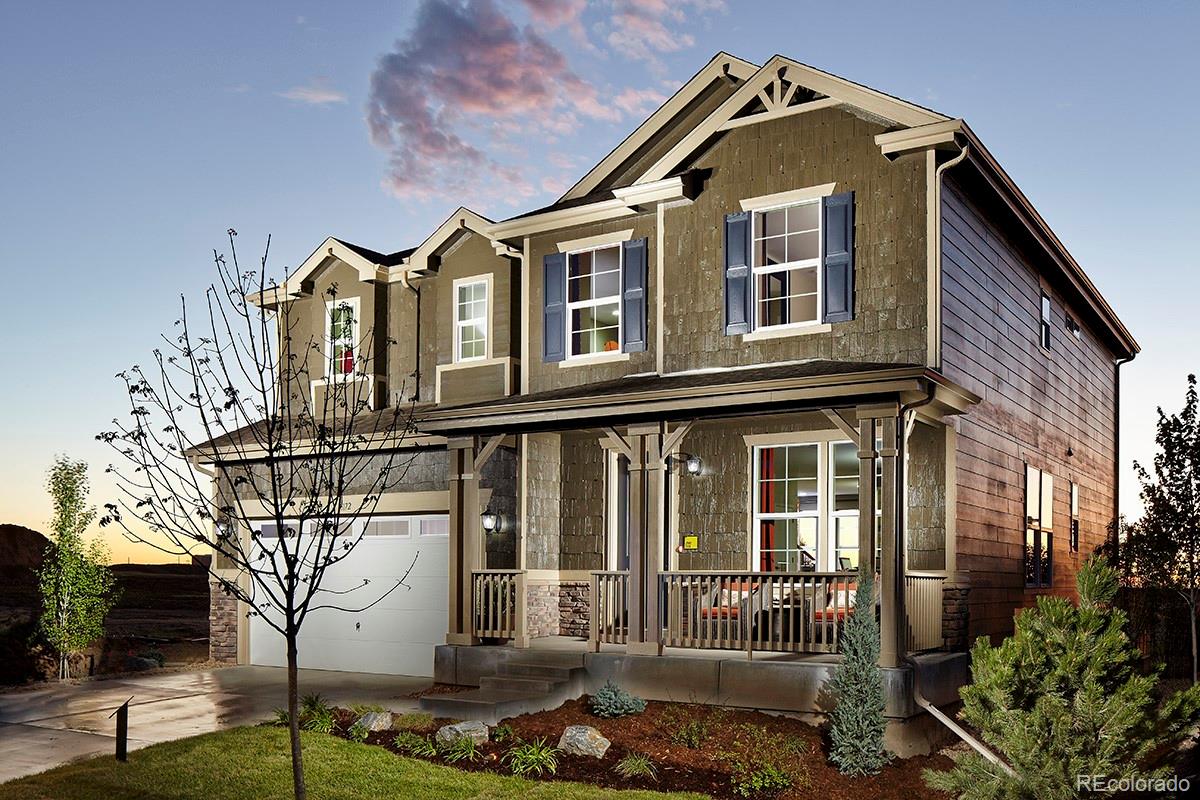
(685, 462)
(490, 521)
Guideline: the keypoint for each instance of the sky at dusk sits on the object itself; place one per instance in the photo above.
(135, 134)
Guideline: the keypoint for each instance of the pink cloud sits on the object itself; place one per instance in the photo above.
(465, 62)
(553, 14)
(645, 29)
(317, 93)
(638, 102)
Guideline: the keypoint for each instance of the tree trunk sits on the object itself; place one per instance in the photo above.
(294, 718)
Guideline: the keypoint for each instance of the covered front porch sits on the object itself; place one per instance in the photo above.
(718, 512)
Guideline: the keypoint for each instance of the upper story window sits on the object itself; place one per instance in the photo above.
(1044, 328)
(787, 259)
(471, 319)
(341, 336)
(1039, 527)
(594, 301)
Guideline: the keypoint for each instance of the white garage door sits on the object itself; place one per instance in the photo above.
(397, 635)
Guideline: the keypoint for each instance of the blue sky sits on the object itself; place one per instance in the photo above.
(135, 134)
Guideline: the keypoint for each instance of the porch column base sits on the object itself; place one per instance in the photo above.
(644, 648)
(519, 642)
(461, 639)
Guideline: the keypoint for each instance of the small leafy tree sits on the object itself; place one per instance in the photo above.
(1062, 698)
(75, 582)
(857, 722)
(1162, 549)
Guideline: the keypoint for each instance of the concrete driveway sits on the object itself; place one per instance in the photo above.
(50, 725)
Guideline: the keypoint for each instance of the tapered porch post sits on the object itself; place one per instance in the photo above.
(881, 421)
(465, 538)
(892, 623)
(645, 538)
(866, 491)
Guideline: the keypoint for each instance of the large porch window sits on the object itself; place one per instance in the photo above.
(806, 506)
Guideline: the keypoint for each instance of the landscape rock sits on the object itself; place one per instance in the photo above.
(471, 729)
(375, 721)
(137, 663)
(583, 740)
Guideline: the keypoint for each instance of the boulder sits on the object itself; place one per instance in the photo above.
(138, 663)
(471, 729)
(583, 740)
(375, 721)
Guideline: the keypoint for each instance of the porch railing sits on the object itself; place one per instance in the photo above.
(923, 601)
(802, 612)
(610, 607)
(496, 602)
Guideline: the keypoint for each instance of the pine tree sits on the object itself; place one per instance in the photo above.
(1062, 698)
(857, 722)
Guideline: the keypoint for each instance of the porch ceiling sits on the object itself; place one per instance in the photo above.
(703, 394)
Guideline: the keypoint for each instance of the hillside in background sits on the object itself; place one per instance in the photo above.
(162, 607)
(21, 546)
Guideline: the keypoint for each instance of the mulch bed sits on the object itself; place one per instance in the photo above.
(705, 768)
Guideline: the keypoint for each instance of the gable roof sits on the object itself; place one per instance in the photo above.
(722, 67)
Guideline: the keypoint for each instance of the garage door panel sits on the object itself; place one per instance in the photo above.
(396, 635)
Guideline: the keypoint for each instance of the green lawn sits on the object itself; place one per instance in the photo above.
(254, 763)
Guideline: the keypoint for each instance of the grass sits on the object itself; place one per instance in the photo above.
(254, 762)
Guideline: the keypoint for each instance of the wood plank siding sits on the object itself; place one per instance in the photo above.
(1038, 406)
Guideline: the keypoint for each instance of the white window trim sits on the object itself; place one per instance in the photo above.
(789, 198)
(824, 440)
(592, 303)
(486, 280)
(820, 515)
(595, 242)
(808, 326)
(356, 339)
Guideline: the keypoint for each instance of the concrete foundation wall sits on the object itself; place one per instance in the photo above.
(770, 684)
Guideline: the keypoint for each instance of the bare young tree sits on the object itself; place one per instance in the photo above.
(228, 449)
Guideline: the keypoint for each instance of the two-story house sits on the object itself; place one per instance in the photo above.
(791, 324)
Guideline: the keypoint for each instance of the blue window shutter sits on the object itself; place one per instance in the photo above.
(837, 256)
(737, 274)
(633, 296)
(554, 307)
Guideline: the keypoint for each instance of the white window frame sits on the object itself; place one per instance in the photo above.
(486, 281)
(331, 345)
(819, 514)
(834, 514)
(1040, 527)
(595, 302)
(757, 269)
(825, 545)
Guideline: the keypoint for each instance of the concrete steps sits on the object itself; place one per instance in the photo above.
(526, 682)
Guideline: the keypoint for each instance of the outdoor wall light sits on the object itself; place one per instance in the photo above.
(490, 521)
(685, 462)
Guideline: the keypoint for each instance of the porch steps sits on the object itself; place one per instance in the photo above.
(527, 682)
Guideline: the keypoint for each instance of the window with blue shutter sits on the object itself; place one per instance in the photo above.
(738, 300)
(790, 266)
(837, 257)
(554, 307)
(633, 296)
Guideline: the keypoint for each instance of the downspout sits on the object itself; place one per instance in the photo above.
(416, 290)
(902, 561)
(937, 245)
(1116, 531)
